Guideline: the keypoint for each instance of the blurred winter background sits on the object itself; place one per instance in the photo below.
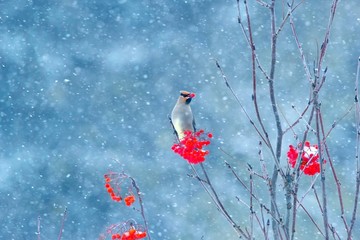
(86, 87)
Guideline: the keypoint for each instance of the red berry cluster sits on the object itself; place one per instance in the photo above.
(309, 158)
(129, 200)
(128, 230)
(132, 234)
(116, 180)
(190, 147)
(114, 195)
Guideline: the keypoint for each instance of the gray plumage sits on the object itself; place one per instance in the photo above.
(181, 116)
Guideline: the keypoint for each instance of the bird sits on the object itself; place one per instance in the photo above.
(182, 117)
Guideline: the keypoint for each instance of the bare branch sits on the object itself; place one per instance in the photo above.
(62, 224)
(337, 181)
(357, 186)
(238, 101)
(221, 206)
(142, 211)
(302, 55)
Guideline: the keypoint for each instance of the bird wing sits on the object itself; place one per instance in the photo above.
(172, 124)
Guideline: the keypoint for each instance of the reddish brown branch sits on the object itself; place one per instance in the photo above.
(357, 186)
(338, 184)
(142, 211)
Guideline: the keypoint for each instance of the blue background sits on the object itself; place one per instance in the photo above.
(86, 87)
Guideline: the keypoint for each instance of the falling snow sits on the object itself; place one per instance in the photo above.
(87, 87)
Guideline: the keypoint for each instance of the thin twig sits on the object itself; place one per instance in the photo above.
(311, 218)
(264, 171)
(323, 47)
(309, 189)
(251, 203)
(209, 189)
(62, 224)
(275, 111)
(357, 186)
(204, 184)
(262, 3)
(244, 31)
(336, 122)
(238, 100)
(253, 71)
(302, 55)
(301, 116)
(322, 163)
(142, 211)
(197, 178)
(318, 85)
(38, 228)
(223, 209)
(291, 9)
(296, 174)
(317, 199)
(288, 124)
(311, 129)
(337, 181)
(239, 180)
(332, 229)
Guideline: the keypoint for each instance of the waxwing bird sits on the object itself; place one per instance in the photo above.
(181, 116)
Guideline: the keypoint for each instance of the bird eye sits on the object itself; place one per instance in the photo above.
(184, 94)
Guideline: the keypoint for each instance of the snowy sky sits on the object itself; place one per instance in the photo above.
(87, 86)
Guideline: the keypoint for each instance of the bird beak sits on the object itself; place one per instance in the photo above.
(192, 95)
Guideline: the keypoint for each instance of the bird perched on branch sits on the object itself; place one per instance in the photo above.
(181, 116)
